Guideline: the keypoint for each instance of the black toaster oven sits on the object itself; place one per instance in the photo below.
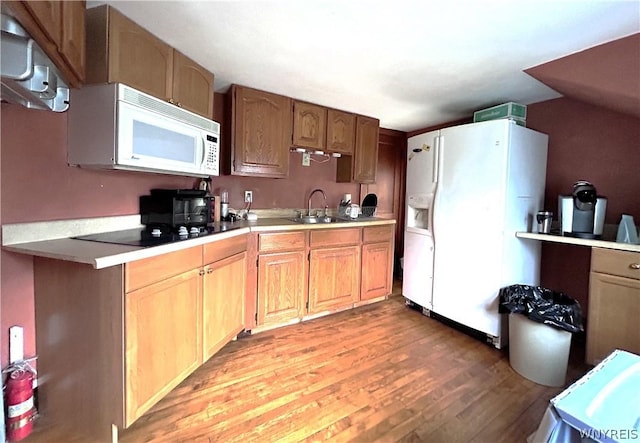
(173, 208)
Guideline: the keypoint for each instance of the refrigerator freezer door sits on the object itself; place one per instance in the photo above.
(468, 224)
(420, 154)
(418, 268)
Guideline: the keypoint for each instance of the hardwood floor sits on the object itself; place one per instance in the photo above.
(381, 372)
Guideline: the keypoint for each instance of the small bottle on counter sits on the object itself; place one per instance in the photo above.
(224, 205)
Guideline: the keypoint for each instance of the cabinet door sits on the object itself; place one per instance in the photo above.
(309, 125)
(366, 150)
(261, 133)
(137, 58)
(377, 259)
(334, 278)
(281, 287)
(614, 309)
(340, 131)
(72, 46)
(48, 14)
(163, 339)
(223, 302)
(192, 86)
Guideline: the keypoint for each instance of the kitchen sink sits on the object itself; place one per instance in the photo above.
(312, 219)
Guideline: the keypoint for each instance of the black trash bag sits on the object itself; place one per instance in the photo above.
(542, 305)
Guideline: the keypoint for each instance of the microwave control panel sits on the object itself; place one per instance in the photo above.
(212, 148)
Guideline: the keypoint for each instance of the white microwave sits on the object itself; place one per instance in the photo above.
(113, 126)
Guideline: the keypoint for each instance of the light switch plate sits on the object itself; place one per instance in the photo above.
(16, 344)
(306, 159)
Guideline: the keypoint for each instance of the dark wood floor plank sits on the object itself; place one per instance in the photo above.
(382, 372)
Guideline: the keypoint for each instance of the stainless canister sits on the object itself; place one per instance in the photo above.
(544, 219)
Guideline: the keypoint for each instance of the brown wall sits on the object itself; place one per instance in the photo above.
(37, 185)
(591, 143)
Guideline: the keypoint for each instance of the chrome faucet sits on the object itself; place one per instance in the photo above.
(325, 201)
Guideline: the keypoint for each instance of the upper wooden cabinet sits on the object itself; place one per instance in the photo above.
(316, 127)
(190, 81)
(122, 51)
(260, 133)
(361, 167)
(340, 131)
(309, 125)
(59, 28)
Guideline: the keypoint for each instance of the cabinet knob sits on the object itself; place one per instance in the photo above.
(209, 270)
(635, 266)
(201, 272)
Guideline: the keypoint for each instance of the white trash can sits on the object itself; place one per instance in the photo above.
(537, 351)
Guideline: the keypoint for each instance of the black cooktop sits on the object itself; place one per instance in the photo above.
(143, 237)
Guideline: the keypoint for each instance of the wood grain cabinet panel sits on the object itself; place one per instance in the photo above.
(309, 125)
(223, 302)
(362, 165)
(281, 287)
(377, 261)
(124, 52)
(334, 278)
(281, 241)
(192, 86)
(261, 133)
(163, 344)
(614, 303)
(340, 131)
(72, 46)
(366, 150)
(48, 14)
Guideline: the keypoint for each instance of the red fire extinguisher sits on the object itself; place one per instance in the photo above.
(19, 402)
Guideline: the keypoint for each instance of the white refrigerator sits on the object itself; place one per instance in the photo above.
(484, 181)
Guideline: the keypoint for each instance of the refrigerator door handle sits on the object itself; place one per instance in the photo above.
(436, 150)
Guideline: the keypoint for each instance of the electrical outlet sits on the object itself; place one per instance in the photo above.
(306, 159)
(248, 196)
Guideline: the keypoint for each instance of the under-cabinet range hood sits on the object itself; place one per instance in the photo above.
(29, 77)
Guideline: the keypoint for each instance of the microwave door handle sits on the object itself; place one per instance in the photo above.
(203, 145)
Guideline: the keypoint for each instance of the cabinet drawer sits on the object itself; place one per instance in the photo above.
(141, 273)
(334, 237)
(281, 241)
(224, 248)
(376, 234)
(610, 261)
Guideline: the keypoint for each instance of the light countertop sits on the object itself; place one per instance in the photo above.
(556, 238)
(51, 239)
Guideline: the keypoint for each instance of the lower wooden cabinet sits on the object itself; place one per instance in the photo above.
(163, 336)
(334, 276)
(377, 262)
(334, 269)
(281, 283)
(305, 273)
(112, 342)
(223, 315)
(282, 274)
(614, 303)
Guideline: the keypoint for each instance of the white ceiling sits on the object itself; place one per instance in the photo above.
(412, 64)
